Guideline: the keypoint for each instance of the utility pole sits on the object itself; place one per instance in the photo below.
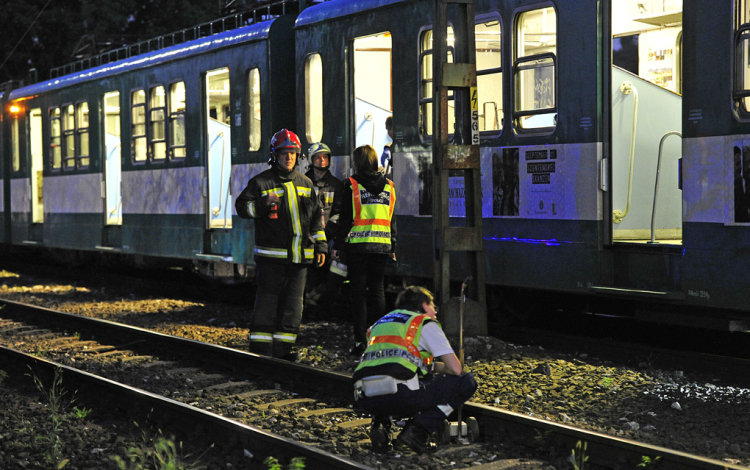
(461, 154)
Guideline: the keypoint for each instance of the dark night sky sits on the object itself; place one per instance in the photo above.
(53, 37)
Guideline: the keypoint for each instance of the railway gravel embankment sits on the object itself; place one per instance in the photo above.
(694, 414)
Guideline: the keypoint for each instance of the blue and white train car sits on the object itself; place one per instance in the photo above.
(598, 181)
(615, 145)
(144, 155)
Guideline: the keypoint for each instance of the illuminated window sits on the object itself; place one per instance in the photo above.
(16, 145)
(425, 84)
(253, 109)
(314, 94)
(55, 151)
(742, 57)
(82, 129)
(373, 88)
(535, 70)
(177, 120)
(69, 136)
(489, 75)
(157, 111)
(138, 126)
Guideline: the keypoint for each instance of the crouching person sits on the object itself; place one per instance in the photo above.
(397, 377)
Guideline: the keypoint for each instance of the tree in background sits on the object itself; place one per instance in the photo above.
(52, 33)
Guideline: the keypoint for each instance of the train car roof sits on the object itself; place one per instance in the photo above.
(338, 8)
(244, 34)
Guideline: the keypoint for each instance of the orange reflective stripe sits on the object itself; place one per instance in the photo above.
(407, 342)
(395, 340)
(393, 200)
(357, 202)
(372, 222)
(358, 205)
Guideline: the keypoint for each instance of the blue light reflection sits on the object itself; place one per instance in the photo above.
(533, 241)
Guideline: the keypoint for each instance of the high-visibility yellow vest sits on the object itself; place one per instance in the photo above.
(372, 214)
(392, 347)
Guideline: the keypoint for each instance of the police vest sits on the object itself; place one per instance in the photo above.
(372, 215)
(392, 347)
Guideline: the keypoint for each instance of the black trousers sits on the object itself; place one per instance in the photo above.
(366, 277)
(275, 321)
(434, 402)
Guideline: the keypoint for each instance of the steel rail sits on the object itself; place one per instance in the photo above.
(104, 393)
(604, 451)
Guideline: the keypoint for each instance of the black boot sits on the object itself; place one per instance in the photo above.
(260, 348)
(416, 437)
(381, 435)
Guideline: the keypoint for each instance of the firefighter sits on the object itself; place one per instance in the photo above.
(329, 191)
(289, 237)
(398, 377)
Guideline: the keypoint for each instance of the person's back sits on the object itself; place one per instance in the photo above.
(397, 375)
(367, 232)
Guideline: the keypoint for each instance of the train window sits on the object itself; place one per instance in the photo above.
(314, 94)
(177, 120)
(82, 129)
(112, 158)
(535, 70)
(55, 150)
(218, 132)
(425, 84)
(36, 161)
(625, 53)
(69, 136)
(16, 144)
(35, 138)
(489, 75)
(742, 58)
(138, 125)
(156, 111)
(647, 41)
(253, 109)
(373, 97)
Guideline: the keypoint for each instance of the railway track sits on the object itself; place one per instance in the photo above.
(272, 406)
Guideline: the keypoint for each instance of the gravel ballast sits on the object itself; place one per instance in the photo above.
(699, 415)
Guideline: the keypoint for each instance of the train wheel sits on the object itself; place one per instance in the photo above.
(473, 428)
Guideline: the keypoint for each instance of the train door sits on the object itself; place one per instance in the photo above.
(112, 162)
(35, 175)
(372, 89)
(219, 149)
(646, 122)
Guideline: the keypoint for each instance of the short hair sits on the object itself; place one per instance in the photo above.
(413, 297)
(365, 159)
(389, 122)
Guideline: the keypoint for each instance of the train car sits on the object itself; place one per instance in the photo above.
(599, 179)
(614, 145)
(141, 156)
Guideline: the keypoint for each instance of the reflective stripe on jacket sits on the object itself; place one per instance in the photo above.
(295, 231)
(392, 347)
(372, 215)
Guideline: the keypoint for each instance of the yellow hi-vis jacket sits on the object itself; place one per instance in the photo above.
(371, 228)
(392, 347)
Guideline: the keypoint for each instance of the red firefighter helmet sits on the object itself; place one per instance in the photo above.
(285, 139)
